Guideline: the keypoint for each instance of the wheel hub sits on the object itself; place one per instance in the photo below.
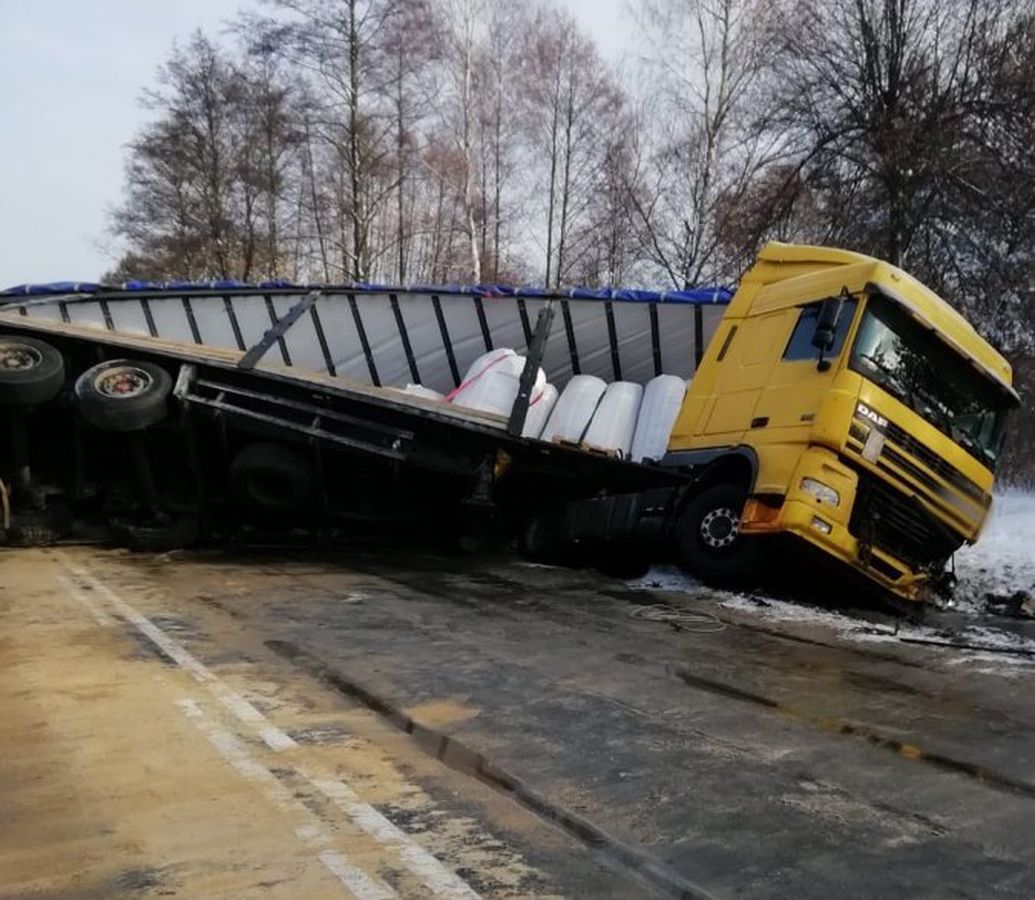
(123, 382)
(719, 528)
(19, 357)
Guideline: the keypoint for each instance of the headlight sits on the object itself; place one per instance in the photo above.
(822, 492)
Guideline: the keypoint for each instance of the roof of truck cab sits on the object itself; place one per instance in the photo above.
(780, 263)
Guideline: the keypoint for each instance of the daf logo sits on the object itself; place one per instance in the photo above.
(863, 410)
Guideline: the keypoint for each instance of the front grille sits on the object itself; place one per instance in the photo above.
(900, 525)
(903, 439)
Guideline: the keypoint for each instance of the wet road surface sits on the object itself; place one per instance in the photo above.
(401, 724)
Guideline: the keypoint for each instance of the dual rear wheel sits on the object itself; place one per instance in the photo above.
(118, 395)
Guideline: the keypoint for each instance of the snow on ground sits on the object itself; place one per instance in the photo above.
(1002, 562)
(763, 606)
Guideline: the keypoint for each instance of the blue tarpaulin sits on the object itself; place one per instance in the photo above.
(693, 295)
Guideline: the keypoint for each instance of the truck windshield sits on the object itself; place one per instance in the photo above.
(909, 362)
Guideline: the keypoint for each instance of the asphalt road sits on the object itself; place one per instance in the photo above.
(390, 723)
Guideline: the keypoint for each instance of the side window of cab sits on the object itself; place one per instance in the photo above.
(800, 346)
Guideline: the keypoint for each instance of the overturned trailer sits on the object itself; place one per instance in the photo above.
(171, 413)
(286, 408)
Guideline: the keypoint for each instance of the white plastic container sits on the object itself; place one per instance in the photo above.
(662, 400)
(614, 421)
(492, 381)
(539, 409)
(574, 408)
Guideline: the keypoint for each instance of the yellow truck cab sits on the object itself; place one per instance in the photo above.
(868, 415)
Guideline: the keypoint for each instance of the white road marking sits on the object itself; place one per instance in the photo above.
(354, 879)
(99, 616)
(418, 860)
(350, 876)
(274, 737)
(426, 867)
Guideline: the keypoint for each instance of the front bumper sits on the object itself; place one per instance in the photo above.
(826, 526)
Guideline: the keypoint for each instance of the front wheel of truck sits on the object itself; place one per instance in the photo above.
(709, 539)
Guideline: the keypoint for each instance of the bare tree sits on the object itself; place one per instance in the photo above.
(465, 40)
(272, 133)
(500, 130)
(333, 44)
(410, 43)
(876, 97)
(569, 100)
(199, 171)
(705, 61)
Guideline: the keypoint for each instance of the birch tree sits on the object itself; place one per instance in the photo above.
(333, 45)
(465, 41)
(705, 61)
(571, 100)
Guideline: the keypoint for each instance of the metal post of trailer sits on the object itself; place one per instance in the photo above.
(698, 336)
(519, 411)
(274, 334)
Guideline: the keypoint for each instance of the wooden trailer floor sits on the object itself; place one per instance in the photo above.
(402, 724)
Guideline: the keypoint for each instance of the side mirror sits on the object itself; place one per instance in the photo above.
(829, 317)
(827, 322)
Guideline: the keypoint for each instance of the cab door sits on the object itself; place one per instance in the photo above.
(796, 385)
(746, 363)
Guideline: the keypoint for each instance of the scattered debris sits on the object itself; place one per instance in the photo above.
(1028, 651)
(1019, 605)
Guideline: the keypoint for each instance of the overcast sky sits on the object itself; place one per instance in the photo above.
(71, 74)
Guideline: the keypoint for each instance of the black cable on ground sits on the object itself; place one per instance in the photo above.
(694, 621)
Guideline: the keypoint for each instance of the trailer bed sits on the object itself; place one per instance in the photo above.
(393, 722)
(226, 358)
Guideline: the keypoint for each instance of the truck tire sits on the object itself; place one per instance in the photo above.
(178, 534)
(31, 371)
(271, 477)
(542, 542)
(709, 543)
(123, 395)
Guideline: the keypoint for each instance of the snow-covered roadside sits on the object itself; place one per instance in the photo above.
(792, 615)
(1003, 560)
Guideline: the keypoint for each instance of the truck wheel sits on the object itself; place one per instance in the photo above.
(542, 542)
(271, 477)
(710, 544)
(123, 395)
(178, 534)
(31, 371)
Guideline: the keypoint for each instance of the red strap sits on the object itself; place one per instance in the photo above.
(475, 377)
